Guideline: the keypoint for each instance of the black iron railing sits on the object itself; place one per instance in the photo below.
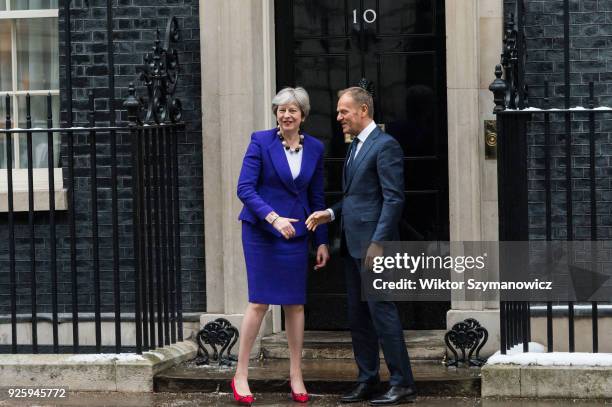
(558, 130)
(128, 271)
(513, 129)
(151, 265)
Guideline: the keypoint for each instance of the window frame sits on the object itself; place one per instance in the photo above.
(20, 175)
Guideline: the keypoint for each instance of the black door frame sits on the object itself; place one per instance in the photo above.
(285, 76)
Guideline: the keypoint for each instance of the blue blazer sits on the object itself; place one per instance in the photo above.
(373, 193)
(266, 184)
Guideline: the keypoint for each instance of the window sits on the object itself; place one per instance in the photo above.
(29, 63)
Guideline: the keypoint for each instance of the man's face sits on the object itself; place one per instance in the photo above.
(351, 116)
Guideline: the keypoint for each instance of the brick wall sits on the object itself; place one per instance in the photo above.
(134, 24)
(590, 51)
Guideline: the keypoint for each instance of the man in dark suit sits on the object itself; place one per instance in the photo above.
(370, 211)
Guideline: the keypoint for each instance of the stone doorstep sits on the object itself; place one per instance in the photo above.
(325, 376)
(589, 382)
(421, 345)
(89, 372)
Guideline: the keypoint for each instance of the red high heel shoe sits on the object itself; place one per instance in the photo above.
(300, 397)
(243, 400)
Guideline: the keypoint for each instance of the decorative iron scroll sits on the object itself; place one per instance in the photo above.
(368, 86)
(511, 91)
(221, 336)
(469, 337)
(160, 75)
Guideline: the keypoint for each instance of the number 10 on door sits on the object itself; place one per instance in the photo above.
(369, 16)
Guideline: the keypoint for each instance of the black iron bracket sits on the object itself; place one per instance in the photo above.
(469, 337)
(221, 336)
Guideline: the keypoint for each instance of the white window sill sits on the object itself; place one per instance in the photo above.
(41, 201)
(41, 190)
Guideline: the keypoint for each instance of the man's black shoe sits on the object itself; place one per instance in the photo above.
(361, 392)
(395, 395)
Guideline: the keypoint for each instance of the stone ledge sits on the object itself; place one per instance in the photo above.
(321, 376)
(93, 372)
(588, 382)
(421, 345)
(41, 200)
(21, 189)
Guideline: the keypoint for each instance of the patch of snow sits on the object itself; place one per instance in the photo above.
(215, 366)
(532, 346)
(537, 356)
(588, 307)
(106, 357)
(554, 109)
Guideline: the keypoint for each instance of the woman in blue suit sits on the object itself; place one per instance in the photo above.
(280, 184)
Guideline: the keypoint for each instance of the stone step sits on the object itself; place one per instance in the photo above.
(421, 345)
(325, 376)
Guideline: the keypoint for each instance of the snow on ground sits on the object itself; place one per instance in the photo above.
(575, 108)
(537, 356)
(106, 357)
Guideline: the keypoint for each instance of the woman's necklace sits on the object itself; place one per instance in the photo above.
(286, 145)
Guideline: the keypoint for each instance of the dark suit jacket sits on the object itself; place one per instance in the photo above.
(266, 184)
(373, 194)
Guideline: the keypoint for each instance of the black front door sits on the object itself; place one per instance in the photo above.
(398, 46)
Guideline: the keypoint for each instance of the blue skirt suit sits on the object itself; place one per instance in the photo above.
(277, 267)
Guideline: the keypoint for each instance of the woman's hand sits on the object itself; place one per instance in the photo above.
(322, 256)
(284, 226)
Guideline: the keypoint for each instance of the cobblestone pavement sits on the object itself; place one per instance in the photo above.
(270, 400)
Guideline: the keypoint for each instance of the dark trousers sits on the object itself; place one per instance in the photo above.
(371, 323)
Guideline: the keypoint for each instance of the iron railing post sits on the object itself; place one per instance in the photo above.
(133, 105)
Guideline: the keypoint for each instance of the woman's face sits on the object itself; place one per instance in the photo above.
(289, 117)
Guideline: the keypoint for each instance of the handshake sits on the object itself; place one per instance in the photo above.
(284, 225)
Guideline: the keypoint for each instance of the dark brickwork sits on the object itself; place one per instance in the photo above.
(134, 23)
(590, 52)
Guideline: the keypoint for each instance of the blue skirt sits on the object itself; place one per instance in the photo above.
(276, 267)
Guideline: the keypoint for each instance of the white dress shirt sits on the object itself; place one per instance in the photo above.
(362, 136)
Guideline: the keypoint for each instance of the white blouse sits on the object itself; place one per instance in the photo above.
(295, 161)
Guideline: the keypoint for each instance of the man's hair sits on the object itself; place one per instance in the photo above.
(360, 96)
